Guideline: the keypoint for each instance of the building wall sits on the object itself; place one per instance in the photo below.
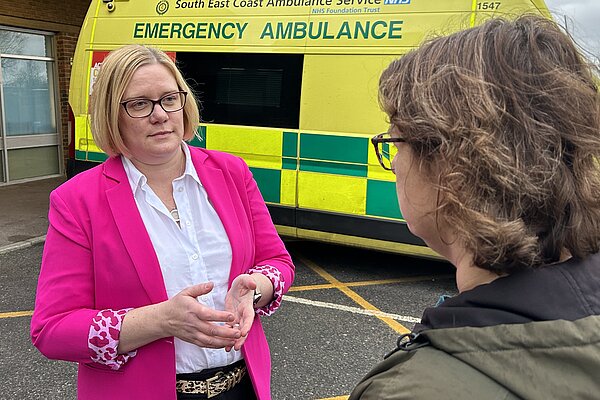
(64, 18)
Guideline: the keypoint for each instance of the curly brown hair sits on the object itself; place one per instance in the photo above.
(505, 117)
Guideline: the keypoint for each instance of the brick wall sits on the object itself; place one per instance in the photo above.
(62, 17)
(40, 14)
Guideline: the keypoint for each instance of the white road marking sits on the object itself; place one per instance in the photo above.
(354, 310)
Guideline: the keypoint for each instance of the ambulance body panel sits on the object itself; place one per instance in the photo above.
(291, 87)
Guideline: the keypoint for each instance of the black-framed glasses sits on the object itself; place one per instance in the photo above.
(384, 151)
(141, 108)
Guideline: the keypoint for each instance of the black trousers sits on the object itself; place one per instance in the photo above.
(241, 391)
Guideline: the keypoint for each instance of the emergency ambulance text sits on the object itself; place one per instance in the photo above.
(313, 30)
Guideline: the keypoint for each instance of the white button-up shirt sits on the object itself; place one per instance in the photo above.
(196, 251)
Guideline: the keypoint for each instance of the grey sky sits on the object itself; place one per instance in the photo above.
(582, 21)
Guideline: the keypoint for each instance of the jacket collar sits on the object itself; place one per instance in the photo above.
(213, 177)
(132, 230)
(565, 290)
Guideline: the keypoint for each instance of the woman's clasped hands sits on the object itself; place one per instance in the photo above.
(191, 321)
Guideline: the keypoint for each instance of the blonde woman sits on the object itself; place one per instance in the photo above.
(158, 262)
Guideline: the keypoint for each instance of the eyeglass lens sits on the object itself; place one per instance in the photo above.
(386, 152)
(143, 107)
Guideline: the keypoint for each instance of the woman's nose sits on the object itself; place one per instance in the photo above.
(158, 113)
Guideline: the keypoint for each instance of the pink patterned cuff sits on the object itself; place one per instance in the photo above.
(276, 278)
(104, 339)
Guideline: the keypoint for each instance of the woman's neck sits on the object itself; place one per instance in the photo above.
(161, 175)
(469, 276)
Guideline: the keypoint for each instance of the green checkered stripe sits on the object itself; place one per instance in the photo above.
(90, 156)
(327, 154)
(340, 155)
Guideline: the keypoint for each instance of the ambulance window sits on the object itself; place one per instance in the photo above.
(246, 89)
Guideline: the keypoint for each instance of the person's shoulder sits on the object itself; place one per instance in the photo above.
(83, 182)
(422, 374)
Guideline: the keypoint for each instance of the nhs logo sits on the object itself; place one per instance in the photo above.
(396, 1)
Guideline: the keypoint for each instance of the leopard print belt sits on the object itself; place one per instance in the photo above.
(220, 383)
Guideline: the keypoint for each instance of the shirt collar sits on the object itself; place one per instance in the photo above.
(189, 165)
(135, 177)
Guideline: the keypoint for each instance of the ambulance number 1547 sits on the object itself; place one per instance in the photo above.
(489, 5)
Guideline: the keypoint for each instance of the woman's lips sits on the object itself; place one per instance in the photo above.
(161, 133)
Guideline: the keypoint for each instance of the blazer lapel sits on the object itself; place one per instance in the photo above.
(133, 232)
(218, 190)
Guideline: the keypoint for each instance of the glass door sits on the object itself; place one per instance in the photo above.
(30, 140)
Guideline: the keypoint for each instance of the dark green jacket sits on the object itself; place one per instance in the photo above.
(539, 360)
(505, 343)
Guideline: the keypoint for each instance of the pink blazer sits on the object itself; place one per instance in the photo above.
(98, 255)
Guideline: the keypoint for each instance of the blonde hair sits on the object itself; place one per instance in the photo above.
(115, 74)
(505, 118)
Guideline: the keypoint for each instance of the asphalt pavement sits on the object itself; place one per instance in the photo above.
(24, 212)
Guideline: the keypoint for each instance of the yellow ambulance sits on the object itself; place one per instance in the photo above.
(290, 86)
